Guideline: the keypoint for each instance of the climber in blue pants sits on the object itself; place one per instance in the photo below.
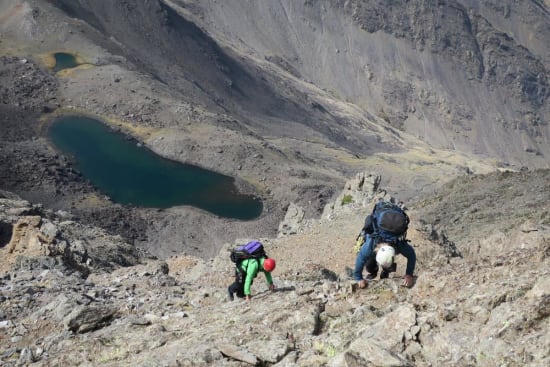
(374, 254)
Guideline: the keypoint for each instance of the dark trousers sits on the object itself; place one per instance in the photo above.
(372, 266)
(237, 287)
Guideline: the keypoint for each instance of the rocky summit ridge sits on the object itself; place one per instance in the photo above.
(72, 295)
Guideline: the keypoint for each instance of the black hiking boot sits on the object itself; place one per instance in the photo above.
(230, 294)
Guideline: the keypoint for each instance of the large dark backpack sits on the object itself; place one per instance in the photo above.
(389, 222)
(252, 250)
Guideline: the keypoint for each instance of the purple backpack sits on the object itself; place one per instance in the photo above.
(253, 249)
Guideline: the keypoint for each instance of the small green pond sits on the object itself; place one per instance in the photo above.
(133, 175)
(64, 60)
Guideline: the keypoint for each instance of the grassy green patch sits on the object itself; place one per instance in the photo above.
(347, 199)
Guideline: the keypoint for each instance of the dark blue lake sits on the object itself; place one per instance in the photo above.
(134, 175)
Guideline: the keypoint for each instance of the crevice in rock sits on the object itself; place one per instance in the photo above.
(6, 232)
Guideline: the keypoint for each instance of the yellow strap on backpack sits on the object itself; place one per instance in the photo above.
(358, 243)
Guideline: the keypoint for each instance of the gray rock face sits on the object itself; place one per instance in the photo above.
(84, 319)
(358, 192)
(293, 221)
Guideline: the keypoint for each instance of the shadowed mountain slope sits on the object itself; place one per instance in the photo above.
(442, 72)
(158, 40)
(471, 76)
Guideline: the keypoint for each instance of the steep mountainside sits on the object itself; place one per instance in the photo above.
(471, 76)
(441, 71)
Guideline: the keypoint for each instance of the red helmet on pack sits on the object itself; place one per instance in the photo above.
(269, 265)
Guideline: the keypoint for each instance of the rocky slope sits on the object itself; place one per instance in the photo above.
(72, 295)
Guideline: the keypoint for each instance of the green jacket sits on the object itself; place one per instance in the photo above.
(252, 267)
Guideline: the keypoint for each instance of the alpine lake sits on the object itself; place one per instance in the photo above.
(131, 174)
(64, 60)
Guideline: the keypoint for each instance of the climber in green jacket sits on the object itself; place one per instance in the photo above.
(245, 273)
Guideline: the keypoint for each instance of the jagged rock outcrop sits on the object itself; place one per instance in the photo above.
(293, 221)
(359, 192)
(36, 238)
